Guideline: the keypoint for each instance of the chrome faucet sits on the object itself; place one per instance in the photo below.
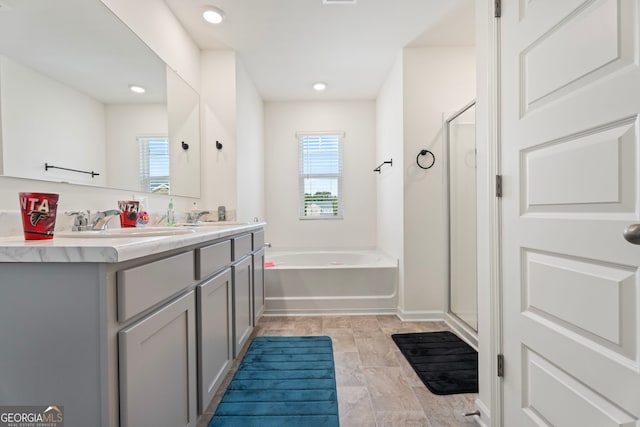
(194, 217)
(102, 218)
(82, 219)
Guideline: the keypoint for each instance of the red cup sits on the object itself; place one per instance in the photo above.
(38, 215)
(129, 215)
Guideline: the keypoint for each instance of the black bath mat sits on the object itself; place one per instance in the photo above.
(444, 363)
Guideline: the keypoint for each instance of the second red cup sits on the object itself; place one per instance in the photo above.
(129, 215)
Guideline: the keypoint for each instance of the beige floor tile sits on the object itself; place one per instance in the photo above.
(307, 331)
(349, 370)
(313, 324)
(408, 371)
(389, 390)
(366, 327)
(438, 409)
(388, 321)
(279, 332)
(402, 419)
(204, 420)
(343, 343)
(376, 352)
(336, 322)
(281, 323)
(354, 407)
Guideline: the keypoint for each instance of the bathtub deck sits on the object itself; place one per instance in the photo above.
(376, 385)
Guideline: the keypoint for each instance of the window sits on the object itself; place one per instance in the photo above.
(320, 177)
(154, 164)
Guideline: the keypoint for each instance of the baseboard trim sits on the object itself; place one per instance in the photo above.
(463, 330)
(420, 316)
(405, 316)
(334, 312)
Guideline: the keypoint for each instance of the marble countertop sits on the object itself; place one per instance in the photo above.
(110, 250)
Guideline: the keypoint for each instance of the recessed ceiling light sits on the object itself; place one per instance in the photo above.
(319, 86)
(213, 15)
(137, 89)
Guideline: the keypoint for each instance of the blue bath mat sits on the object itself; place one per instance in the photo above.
(282, 381)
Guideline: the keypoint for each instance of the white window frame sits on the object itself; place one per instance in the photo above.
(304, 213)
(145, 165)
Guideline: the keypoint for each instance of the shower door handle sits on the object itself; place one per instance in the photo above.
(632, 234)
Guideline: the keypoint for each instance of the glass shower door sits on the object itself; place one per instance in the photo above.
(461, 151)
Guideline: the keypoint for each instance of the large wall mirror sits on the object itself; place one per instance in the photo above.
(66, 72)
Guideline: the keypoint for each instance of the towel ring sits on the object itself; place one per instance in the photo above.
(424, 153)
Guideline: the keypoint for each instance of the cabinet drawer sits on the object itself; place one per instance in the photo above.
(212, 258)
(142, 287)
(242, 246)
(258, 240)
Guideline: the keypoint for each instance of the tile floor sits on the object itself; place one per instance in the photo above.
(376, 385)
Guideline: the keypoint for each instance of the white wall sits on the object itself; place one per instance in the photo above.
(125, 123)
(437, 80)
(250, 134)
(49, 123)
(218, 123)
(389, 183)
(357, 120)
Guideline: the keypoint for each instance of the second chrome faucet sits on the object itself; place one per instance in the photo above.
(84, 220)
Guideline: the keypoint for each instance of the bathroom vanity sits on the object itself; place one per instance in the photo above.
(127, 331)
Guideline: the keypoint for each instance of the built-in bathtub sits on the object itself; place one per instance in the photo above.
(325, 282)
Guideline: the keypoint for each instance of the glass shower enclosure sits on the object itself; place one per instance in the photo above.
(461, 171)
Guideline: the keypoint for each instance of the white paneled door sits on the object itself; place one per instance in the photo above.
(570, 102)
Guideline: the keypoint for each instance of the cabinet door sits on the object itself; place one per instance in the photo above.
(242, 310)
(258, 285)
(215, 335)
(158, 368)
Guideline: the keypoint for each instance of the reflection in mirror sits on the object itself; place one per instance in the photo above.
(461, 152)
(65, 72)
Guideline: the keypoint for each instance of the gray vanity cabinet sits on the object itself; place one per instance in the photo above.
(258, 285)
(144, 341)
(242, 310)
(157, 367)
(215, 335)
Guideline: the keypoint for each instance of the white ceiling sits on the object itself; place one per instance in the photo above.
(286, 45)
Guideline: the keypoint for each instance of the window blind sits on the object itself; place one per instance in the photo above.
(154, 164)
(320, 175)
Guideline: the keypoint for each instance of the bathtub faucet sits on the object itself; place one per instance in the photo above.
(267, 245)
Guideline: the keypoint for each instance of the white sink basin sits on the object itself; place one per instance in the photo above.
(125, 232)
(215, 224)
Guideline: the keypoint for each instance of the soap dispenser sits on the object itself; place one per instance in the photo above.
(171, 217)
